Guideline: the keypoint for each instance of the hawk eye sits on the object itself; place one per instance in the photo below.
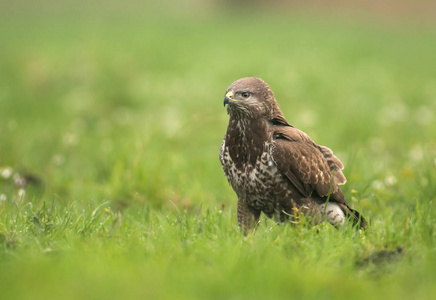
(245, 95)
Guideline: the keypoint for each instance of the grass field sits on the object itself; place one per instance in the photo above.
(110, 182)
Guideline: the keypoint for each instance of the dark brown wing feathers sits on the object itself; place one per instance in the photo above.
(311, 167)
(304, 164)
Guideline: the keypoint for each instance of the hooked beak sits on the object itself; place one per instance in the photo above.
(228, 99)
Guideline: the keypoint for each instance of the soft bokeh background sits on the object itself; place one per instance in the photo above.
(116, 107)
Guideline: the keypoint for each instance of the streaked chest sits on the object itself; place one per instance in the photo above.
(256, 178)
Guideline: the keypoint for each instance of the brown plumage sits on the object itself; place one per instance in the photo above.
(275, 168)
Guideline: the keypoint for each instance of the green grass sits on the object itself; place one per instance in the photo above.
(116, 123)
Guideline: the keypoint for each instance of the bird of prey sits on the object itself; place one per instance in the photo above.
(275, 168)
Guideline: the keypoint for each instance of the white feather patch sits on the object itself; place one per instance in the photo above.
(333, 213)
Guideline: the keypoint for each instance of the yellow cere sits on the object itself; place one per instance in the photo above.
(230, 96)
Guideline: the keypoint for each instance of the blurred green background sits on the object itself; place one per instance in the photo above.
(112, 108)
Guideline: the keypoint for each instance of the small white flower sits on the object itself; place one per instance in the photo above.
(3, 197)
(19, 181)
(390, 180)
(21, 193)
(6, 172)
(393, 113)
(416, 153)
(378, 185)
(424, 115)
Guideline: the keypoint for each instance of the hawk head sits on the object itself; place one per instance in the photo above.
(250, 97)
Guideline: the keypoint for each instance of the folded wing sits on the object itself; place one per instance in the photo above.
(308, 166)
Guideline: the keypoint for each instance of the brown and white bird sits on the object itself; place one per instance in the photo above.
(275, 168)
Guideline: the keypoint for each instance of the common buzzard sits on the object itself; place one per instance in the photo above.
(275, 168)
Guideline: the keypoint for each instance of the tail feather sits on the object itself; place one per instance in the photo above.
(356, 217)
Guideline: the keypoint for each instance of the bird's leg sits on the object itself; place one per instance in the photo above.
(247, 217)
